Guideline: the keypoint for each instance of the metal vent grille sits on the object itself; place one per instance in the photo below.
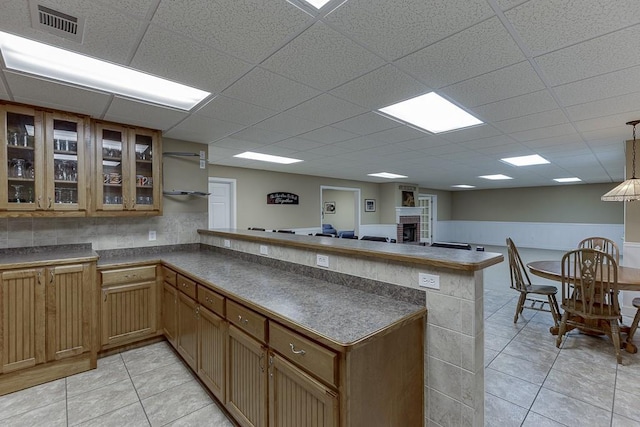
(55, 22)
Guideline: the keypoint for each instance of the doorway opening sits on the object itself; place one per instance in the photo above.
(340, 207)
(428, 204)
(222, 203)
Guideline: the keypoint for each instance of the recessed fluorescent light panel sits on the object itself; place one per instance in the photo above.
(387, 175)
(495, 177)
(431, 112)
(317, 3)
(464, 186)
(266, 158)
(526, 160)
(36, 58)
(572, 179)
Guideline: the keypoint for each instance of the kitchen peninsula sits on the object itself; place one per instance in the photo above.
(454, 333)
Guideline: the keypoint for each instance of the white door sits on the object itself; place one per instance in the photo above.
(426, 218)
(220, 205)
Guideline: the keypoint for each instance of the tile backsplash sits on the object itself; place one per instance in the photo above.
(102, 233)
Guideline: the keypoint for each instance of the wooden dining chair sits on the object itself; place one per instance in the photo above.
(520, 281)
(602, 244)
(628, 343)
(590, 295)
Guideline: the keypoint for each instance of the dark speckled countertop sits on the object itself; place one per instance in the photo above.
(44, 255)
(338, 314)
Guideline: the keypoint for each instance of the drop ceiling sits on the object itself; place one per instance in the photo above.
(546, 77)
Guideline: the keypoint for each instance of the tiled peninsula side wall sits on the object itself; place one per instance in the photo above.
(454, 347)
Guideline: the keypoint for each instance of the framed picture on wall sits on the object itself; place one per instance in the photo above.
(329, 207)
(369, 205)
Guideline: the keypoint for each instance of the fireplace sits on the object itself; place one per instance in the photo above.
(408, 226)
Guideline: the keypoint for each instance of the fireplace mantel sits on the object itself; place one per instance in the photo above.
(407, 211)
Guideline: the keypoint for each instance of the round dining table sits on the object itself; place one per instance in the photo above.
(628, 277)
(628, 280)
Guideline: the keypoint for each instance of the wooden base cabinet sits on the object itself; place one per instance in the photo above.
(187, 343)
(212, 337)
(69, 309)
(129, 307)
(170, 312)
(47, 322)
(246, 379)
(297, 399)
(23, 319)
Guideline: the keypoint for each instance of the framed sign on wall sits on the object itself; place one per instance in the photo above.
(329, 207)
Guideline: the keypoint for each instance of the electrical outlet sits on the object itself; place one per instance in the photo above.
(227, 243)
(264, 250)
(203, 162)
(322, 260)
(152, 236)
(431, 281)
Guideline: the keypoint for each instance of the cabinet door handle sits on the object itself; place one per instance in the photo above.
(294, 351)
(49, 207)
(197, 312)
(270, 365)
(260, 361)
(124, 202)
(51, 277)
(105, 295)
(39, 277)
(39, 199)
(241, 320)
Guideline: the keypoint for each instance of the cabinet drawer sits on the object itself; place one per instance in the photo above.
(247, 320)
(128, 275)
(314, 358)
(168, 275)
(211, 300)
(187, 286)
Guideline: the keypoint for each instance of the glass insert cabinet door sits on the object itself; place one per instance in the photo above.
(127, 168)
(22, 159)
(64, 138)
(111, 155)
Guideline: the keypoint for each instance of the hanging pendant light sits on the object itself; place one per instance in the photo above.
(629, 190)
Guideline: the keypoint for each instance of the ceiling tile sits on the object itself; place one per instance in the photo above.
(398, 134)
(322, 58)
(604, 122)
(216, 154)
(57, 95)
(232, 110)
(508, 4)
(141, 114)
(259, 135)
(298, 144)
(109, 34)
(548, 25)
(380, 88)
(396, 30)
(470, 133)
(366, 124)
(328, 135)
(191, 63)
(484, 47)
(603, 86)
(137, 8)
(590, 58)
(236, 144)
(618, 104)
(287, 124)
(248, 29)
(493, 141)
(541, 133)
(326, 109)
(517, 106)
(360, 143)
(501, 84)
(202, 129)
(532, 121)
(269, 90)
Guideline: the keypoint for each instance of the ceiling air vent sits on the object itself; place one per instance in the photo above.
(56, 22)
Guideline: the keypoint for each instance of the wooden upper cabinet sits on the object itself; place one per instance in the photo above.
(127, 170)
(43, 158)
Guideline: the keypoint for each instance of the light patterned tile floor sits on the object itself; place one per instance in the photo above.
(149, 386)
(530, 382)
